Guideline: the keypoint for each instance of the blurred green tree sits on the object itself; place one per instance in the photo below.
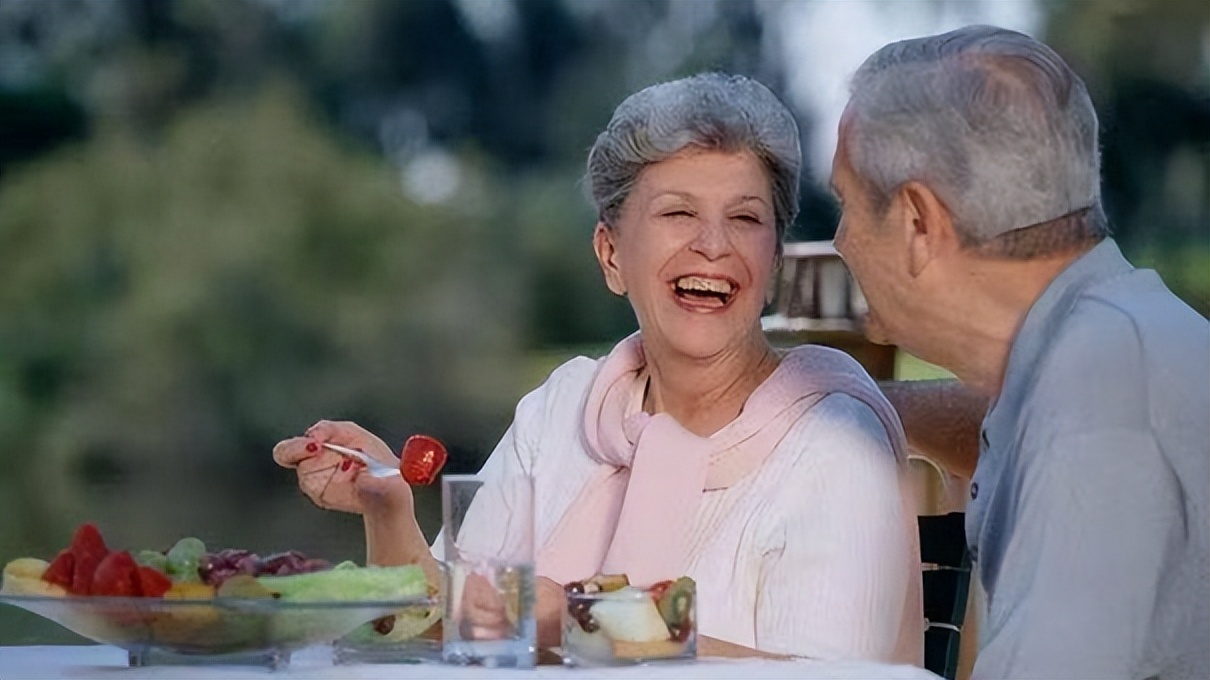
(1146, 67)
(168, 311)
(199, 259)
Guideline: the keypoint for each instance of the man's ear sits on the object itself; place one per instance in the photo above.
(928, 229)
(607, 257)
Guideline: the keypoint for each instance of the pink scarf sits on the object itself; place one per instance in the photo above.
(634, 514)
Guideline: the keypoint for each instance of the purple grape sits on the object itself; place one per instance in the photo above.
(279, 564)
(247, 564)
(313, 564)
(292, 562)
(215, 568)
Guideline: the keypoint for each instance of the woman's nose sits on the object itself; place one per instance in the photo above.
(712, 240)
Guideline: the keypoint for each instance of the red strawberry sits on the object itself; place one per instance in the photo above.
(60, 570)
(657, 590)
(152, 583)
(422, 458)
(117, 576)
(89, 549)
(88, 539)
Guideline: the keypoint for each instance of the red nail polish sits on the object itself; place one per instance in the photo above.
(346, 464)
(312, 447)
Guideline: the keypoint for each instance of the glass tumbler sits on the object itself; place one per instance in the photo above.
(488, 545)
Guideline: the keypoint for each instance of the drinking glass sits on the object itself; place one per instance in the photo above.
(488, 543)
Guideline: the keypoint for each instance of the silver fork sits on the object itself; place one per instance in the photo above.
(375, 467)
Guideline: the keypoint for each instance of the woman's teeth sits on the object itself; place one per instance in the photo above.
(698, 286)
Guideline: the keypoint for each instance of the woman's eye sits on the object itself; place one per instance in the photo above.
(750, 219)
(678, 213)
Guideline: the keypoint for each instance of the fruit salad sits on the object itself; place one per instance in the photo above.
(118, 597)
(188, 571)
(610, 621)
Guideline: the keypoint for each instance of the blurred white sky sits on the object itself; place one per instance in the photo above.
(819, 44)
(822, 42)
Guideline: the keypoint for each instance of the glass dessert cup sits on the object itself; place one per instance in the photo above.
(630, 625)
(256, 631)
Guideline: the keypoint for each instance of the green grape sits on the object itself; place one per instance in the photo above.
(183, 558)
(154, 559)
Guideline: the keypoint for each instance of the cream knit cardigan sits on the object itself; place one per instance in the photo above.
(812, 555)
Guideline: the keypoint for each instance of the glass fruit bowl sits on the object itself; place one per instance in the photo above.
(218, 630)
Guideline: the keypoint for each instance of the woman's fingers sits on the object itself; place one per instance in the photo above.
(293, 451)
(382, 495)
(483, 608)
(333, 481)
(342, 432)
(328, 480)
(352, 435)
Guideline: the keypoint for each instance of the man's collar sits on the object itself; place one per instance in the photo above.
(1103, 261)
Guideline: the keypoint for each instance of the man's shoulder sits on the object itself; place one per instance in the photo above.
(1093, 337)
(1122, 351)
(1119, 390)
(1139, 309)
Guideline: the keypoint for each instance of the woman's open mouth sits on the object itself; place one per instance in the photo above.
(704, 293)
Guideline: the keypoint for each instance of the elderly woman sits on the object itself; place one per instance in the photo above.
(772, 478)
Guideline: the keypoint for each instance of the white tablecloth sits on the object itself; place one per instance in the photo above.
(109, 663)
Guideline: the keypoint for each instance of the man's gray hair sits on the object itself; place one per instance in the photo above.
(710, 110)
(993, 121)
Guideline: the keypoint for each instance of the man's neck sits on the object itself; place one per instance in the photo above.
(985, 312)
(705, 394)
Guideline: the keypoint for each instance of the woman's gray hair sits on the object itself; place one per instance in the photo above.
(992, 120)
(709, 110)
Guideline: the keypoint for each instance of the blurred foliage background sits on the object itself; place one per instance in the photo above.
(221, 220)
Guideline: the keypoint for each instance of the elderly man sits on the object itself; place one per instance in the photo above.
(968, 171)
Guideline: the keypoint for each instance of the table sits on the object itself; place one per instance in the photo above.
(109, 663)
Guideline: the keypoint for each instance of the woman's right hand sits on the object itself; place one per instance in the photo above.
(334, 481)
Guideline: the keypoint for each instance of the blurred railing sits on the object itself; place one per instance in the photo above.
(818, 301)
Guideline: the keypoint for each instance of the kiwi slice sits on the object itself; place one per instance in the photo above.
(677, 600)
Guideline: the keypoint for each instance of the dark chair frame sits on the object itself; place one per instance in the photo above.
(946, 564)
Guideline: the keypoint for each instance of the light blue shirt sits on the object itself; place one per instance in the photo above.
(1089, 518)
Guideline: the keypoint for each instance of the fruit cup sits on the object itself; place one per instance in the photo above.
(609, 622)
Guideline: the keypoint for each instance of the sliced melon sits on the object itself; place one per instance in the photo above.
(23, 576)
(189, 590)
(656, 649)
(365, 583)
(629, 615)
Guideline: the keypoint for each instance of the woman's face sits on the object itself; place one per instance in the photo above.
(694, 248)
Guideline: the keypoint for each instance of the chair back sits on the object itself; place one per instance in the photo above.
(946, 564)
